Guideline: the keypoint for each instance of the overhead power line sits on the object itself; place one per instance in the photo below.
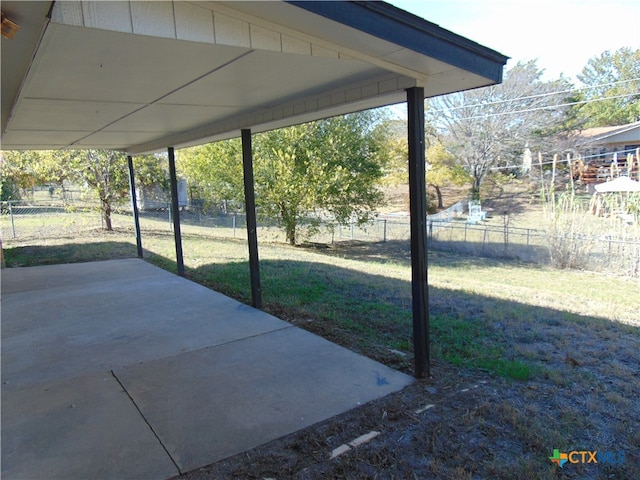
(539, 95)
(548, 107)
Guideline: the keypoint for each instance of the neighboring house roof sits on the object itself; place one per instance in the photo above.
(142, 76)
(629, 133)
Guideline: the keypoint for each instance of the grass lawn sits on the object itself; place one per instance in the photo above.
(551, 357)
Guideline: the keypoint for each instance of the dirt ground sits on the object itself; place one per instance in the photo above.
(466, 424)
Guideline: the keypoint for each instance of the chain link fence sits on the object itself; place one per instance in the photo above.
(46, 219)
(614, 253)
(447, 231)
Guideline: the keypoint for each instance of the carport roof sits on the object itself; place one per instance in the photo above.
(142, 76)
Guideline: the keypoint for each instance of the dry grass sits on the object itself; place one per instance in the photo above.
(577, 332)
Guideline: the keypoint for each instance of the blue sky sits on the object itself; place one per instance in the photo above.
(561, 34)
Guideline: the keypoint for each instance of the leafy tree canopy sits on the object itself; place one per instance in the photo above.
(443, 169)
(328, 168)
(613, 88)
(103, 172)
(214, 171)
(17, 174)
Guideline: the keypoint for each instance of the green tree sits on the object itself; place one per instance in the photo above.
(396, 153)
(443, 169)
(29, 168)
(104, 173)
(328, 168)
(17, 174)
(612, 81)
(286, 175)
(151, 169)
(55, 167)
(215, 171)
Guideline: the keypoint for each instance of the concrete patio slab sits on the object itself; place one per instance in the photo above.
(119, 369)
(83, 427)
(220, 401)
(95, 316)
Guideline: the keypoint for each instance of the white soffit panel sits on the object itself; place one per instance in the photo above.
(141, 76)
(113, 66)
(265, 78)
(160, 118)
(68, 115)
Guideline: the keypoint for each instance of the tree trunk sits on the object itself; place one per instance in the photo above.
(106, 215)
(439, 193)
(475, 189)
(289, 222)
(291, 234)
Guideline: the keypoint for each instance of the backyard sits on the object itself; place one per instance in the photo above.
(526, 359)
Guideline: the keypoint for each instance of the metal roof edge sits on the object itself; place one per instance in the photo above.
(610, 131)
(383, 20)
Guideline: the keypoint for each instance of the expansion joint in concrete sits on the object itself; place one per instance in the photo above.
(124, 389)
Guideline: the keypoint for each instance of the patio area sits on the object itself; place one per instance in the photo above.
(119, 369)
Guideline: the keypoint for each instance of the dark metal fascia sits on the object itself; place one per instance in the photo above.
(395, 25)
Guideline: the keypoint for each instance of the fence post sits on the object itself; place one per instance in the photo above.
(13, 225)
(384, 227)
(233, 223)
(610, 237)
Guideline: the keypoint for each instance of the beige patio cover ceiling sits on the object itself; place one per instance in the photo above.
(143, 76)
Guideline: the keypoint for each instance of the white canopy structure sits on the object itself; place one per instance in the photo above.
(145, 76)
(140, 76)
(620, 184)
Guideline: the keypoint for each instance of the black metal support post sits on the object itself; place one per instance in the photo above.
(418, 209)
(175, 212)
(134, 206)
(252, 224)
